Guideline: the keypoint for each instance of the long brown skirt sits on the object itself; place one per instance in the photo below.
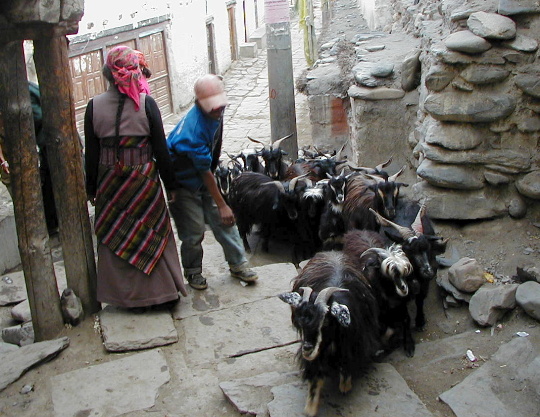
(121, 284)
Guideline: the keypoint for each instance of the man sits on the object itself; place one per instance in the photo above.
(195, 147)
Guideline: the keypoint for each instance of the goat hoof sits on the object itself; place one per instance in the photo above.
(409, 352)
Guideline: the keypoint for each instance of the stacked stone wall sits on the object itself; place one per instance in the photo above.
(472, 133)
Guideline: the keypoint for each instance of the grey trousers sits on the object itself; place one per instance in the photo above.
(191, 211)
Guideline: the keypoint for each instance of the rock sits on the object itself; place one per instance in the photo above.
(445, 284)
(410, 71)
(467, 42)
(455, 136)
(529, 84)
(380, 93)
(528, 273)
(14, 363)
(324, 79)
(512, 7)
(375, 48)
(522, 43)
(529, 124)
(21, 312)
(438, 78)
(459, 177)
(478, 108)
(501, 386)
(382, 69)
(517, 208)
(447, 204)
(496, 178)
(20, 335)
(251, 395)
(124, 331)
(503, 160)
(462, 85)
(491, 302)
(99, 390)
(491, 25)
(12, 288)
(466, 275)
(529, 185)
(528, 298)
(483, 74)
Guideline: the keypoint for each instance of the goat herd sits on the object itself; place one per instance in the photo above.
(371, 251)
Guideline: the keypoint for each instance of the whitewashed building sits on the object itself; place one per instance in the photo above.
(181, 40)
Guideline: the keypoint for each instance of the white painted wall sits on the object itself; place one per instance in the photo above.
(186, 33)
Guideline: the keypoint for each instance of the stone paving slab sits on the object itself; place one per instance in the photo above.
(507, 385)
(111, 389)
(224, 291)
(13, 287)
(13, 363)
(240, 329)
(123, 330)
(382, 392)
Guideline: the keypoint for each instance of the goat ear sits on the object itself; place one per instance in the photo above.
(341, 313)
(438, 245)
(292, 298)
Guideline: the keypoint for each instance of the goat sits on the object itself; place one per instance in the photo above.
(317, 167)
(335, 312)
(421, 249)
(257, 199)
(274, 166)
(370, 192)
(225, 173)
(332, 226)
(387, 269)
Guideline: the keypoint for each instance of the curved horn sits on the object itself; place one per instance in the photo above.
(376, 178)
(364, 169)
(384, 164)
(325, 294)
(397, 174)
(306, 293)
(417, 226)
(405, 232)
(381, 253)
(338, 154)
(278, 142)
(292, 183)
(279, 185)
(256, 141)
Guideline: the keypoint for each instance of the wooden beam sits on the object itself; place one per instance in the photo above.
(65, 160)
(32, 233)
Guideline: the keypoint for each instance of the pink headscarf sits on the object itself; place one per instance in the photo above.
(145, 87)
(124, 65)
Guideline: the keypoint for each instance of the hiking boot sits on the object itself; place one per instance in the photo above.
(197, 281)
(245, 274)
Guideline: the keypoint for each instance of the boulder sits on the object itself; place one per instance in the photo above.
(467, 42)
(466, 275)
(477, 108)
(491, 25)
(528, 298)
(491, 302)
(529, 185)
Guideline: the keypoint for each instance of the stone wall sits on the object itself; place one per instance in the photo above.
(453, 89)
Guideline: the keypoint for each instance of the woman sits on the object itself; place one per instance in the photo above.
(125, 147)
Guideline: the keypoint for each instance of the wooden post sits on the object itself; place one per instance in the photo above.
(32, 233)
(65, 160)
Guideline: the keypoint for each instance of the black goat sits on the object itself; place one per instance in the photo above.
(256, 199)
(387, 269)
(335, 311)
(332, 226)
(421, 246)
(224, 174)
(274, 166)
(370, 192)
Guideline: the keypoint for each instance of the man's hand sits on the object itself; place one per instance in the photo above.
(226, 215)
(171, 196)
